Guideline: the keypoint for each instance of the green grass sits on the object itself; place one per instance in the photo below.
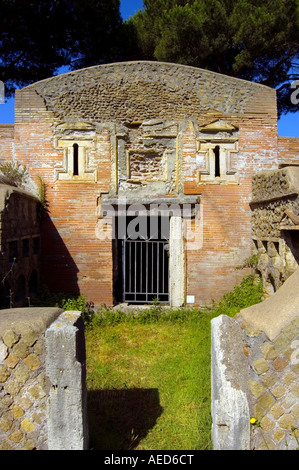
(148, 375)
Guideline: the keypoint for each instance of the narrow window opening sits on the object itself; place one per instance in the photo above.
(36, 245)
(25, 248)
(217, 161)
(76, 159)
(13, 251)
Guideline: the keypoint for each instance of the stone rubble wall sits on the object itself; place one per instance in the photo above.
(255, 375)
(274, 386)
(271, 394)
(273, 184)
(128, 91)
(276, 262)
(267, 216)
(275, 195)
(27, 411)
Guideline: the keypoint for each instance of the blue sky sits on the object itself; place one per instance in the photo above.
(129, 7)
(288, 125)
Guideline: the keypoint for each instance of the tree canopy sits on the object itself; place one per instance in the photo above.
(257, 40)
(37, 38)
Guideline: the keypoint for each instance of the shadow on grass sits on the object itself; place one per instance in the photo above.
(120, 419)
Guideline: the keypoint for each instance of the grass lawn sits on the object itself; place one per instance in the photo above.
(149, 385)
(148, 376)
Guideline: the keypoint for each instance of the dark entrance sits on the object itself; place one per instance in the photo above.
(143, 260)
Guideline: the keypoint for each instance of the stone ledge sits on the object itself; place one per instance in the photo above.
(22, 319)
(275, 313)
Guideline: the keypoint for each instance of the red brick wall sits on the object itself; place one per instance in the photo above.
(211, 270)
(6, 141)
(73, 259)
(288, 150)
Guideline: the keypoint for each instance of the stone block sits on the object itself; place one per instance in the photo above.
(256, 388)
(269, 351)
(295, 411)
(287, 421)
(288, 401)
(12, 387)
(267, 424)
(66, 410)
(276, 411)
(4, 373)
(278, 391)
(37, 391)
(25, 403)
(21, 375)
(21, 350)
(5, 424)
(230, 408)
(295, 390)
(280, 364)
(266, 401)
(290, 331)
(17, 411)
(27, 425)
(29, 445)
(32, 362)
(16, 436)
(278, 434)
(269, 379)
(10, 338)
(30, 337)
(289, 378)
(12, 361)
(261, 366)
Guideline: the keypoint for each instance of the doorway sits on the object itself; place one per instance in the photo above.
(143, 261)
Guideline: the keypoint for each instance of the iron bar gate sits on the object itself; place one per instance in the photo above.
(145, 270)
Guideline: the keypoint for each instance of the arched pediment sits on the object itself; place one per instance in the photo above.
(141, 91)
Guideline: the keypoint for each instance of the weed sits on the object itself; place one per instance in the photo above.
(249, 292)
(80, 304)
(250, 262)
(65, 302)
(43, 208)
(15, 173)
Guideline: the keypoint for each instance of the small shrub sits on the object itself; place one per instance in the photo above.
(45, 298)
(250, 262)
(43, 208)
(14, 172)
(80, 304)
(248, 292)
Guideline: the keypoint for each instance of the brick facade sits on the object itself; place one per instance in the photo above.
(288, 151)
(145, 132)
(6, 141)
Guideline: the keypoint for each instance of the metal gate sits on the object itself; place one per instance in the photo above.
(145, 271)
